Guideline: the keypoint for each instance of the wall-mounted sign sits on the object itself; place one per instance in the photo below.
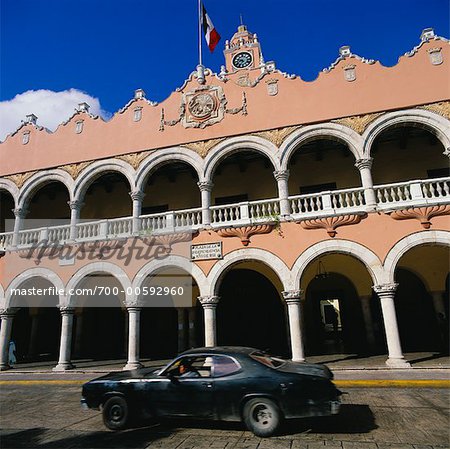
(206, 251)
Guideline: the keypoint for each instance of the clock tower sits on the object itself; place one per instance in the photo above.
(243, 52)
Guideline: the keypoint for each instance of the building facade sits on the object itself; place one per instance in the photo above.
(309, 217)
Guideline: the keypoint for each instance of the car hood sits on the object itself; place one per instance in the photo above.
(309, 369)
(124, 375)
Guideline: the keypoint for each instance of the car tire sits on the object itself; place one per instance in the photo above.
(115, 413)
(262, 417)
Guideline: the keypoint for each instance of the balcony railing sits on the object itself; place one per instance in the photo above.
(336, 202)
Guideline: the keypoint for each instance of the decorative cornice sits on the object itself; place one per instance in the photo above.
(20, 178)
(331, 223)
(441, 108)
(358, 123)
(204, 146)
(74, 170)
(245, 232)
(423, 214)
(277, 136)
(134, 159)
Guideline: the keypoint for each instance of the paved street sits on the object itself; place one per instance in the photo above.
(40, 414)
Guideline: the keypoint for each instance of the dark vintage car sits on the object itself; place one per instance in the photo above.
(221, 383)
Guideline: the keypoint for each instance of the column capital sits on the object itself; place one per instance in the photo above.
(137, 195)
(20, 212)
(75, 204)
(293, 296)
(205, 185)
(133, 309)
(281, 175)
(364, 163)
(446, 152)
(66, 310)
(209, 302)
(385, 290)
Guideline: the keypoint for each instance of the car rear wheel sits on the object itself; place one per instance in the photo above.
(262, 416)
(115, 413)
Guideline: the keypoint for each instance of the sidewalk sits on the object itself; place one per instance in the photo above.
(420, 361)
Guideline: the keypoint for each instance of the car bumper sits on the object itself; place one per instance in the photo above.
(85, 405)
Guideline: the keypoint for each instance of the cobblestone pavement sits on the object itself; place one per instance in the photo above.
(49, 416)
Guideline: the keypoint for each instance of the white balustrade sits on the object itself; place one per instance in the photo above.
(225, 214)
(6, 239)
(264, 210)
(119, 227)
(57, 234)
(189, 218)
(389, 196)
(88, 231)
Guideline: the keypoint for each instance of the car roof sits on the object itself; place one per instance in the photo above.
(225, 350)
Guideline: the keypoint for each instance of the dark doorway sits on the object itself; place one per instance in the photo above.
(333, 317)
(417, 323)
(251, 313)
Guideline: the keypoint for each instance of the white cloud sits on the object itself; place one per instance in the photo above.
(51, 108)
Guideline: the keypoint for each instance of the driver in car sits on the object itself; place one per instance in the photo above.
(185, 369)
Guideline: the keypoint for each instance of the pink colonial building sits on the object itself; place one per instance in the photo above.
(311, 218)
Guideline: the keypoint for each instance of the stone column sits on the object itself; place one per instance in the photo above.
(191, 315)
(65, 347)
(20, 214)
(7, 316)
(282, 177)
(137, 196)
(438, 303)
(205, 190)
(386, 293)
(133, 338)
(209, 304)
(367, 317)
(364, 166)
(293, 298)
(181, 329)
(75, 208)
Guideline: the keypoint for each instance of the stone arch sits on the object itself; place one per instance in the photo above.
(11, 188)
(44, 273)
(167, 155)
(98, 267)
(234, 145)
(435, 123)
(99, 168)
(41, 178)
(221, 267)
(360, 252)
(2, 298)
(331, 131)
(409, 242)
(173, 261)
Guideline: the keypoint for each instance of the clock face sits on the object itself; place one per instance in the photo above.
(242, 60)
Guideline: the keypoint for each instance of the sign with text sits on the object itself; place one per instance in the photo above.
(206, 251)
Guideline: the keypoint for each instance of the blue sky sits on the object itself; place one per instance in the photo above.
(109, 48)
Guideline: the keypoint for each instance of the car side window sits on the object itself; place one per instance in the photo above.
(191, 367)
(223, 366)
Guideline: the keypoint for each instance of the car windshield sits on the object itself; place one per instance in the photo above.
(265, 359)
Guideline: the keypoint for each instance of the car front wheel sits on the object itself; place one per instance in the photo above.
(115, 413)
(262, 416)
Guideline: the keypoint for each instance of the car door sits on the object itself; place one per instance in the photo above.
(187, 394)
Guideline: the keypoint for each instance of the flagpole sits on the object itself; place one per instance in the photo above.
(199, 33)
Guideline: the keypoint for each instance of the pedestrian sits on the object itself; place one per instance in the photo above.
(12, 353)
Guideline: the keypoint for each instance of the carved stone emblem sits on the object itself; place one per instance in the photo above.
(435, 55)
(202, 105)
(331, 223)
(272, 87)
(25, 137)
(350, 72)
(205, 106)
(423, 214)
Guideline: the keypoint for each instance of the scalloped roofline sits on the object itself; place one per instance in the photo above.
(267, 68)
